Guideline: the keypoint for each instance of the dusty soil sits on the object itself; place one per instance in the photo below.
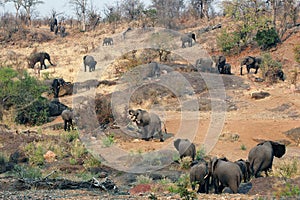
(246, 120)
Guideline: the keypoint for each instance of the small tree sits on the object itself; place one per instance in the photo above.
(29, 5)
(267, 38)
(80, 7)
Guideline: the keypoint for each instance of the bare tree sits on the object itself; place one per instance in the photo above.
(132, 8)
(201, 7)
(80, 7)
(168, 11)
(29, 5)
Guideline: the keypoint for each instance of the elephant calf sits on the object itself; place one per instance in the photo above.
(149, 123)
(107, 41)
(245, 169)
(39, 57)
(261, 156)
(225, 174)
(251, 62)
(67, 116)
(199, 174)
(89, 61)
(155, 69)
(188, 38)
(185, 148)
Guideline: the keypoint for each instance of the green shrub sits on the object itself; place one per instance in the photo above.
(24, 172)
(107, 141)
(243, 147)
(201, 153)
(269, 63)
(288, 169)
(267, 38)
(78, 149)
(35, 153)
(141, 179)
(228, 41)
(289, 191)
(185, 162)
(181, 188)
(23, 93)
(70, 136)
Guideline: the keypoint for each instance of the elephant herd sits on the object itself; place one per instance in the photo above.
(220, 172)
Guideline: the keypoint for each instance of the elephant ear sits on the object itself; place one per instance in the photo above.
(176, 144)
(278, 149)
(214, 164)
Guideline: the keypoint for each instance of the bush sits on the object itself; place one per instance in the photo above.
(27, 172)
(35, 154)
(269, 63)
(200, 153)
(23, 93)
(109, 140)
(141, 179)
(181, 188)
(267, 38)
(228, 41)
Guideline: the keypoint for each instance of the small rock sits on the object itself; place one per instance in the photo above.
(50, 156)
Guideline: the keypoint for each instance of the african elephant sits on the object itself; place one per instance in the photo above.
(67, 116)
(39, 57)
(245, 169)
(188, 38)
(226, 69)
(55, 30)
(220, 62)
(53, 23)
(225, 174)
(107, 41)
(149, 123)
(155, 69)
(205, 65)
(89, 61)
(199, 174)
(274, 74)
(62, 30)
(261, 156)
(56, 84)
(185, 148)
(251, 62)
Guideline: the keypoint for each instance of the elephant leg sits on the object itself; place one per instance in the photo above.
(85, 68)
(161, 138)
(248, 69)
(216, 185)
(241, 71)
(183, 45)
(256, 69)
(90, 68)
(221, 188)
(65, 125)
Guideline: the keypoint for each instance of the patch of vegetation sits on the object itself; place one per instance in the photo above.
(185, 162)
(269, 63)
(91, 161)
(141, 179)
(78, 149)
(35, 153)
(181, 188)
(289, 191)
(288, 169)
(243, 147)
(267, 38)
(201, 153)
(228, 41)
(24, 172)
(70, 136)
(22, 92)
(109, 140)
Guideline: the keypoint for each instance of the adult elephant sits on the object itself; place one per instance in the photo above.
(274, 74)
(107, 41)
(251, 62)
(220, 62)
(56, 84)
(185, 148)
(39, 57)
(149, 123)
(205, 65)
(188, 38)
(67, 116)
(199, 174)
(225, 174)
(53, 23)
(261, 156)
(90, 62)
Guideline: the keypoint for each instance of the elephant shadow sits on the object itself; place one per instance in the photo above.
(244, 188)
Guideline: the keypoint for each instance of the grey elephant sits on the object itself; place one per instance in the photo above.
(199, 174)
(155, 69)
(67, 116)
(261, 156)
(251, 62)
(107, 41)
(225, 174)
(53, 23)
(220, 62)
(185, 148)
(89, 61)
(149, 123)
(39, 57)
(274, 74)
(205, 65)
(188, 38)
(245, 169)
(62, 30)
